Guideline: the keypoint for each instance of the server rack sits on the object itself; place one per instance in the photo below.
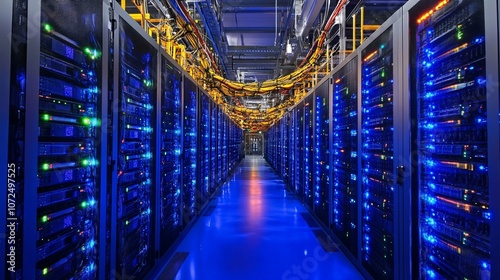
(55, 108)
(284, 150)
(321, 171)
(267, 146)
(309, 150)
(345, 165)
(135, 193)
(190, 158)
(170, 155)
(300, 150)
(238, 145)
(230, 146)
(278, 153)
(380, 151)
(271, 146)
(453, 48)
(214, 167)
(233, 149)
(203, 191)
(225, 150)
(276, 147)
(220, 145)
(292, 149)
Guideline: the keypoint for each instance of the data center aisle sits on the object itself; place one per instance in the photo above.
(258, 231)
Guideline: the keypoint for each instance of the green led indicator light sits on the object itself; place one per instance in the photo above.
(45, 219)
(92, 53)
(85, 162)
(46, 117)
(45, 166)
(126, 222)
(460, 33)
(86, 121)
(45, 271)
(84, 204)
(47, 27)
(126, 190)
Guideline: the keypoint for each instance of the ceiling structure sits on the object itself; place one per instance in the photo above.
(251, 36)
(256, 42)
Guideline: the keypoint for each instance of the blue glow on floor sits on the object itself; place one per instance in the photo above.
(256, 232)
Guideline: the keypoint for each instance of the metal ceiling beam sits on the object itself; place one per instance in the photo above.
(268, 68)
(234, 10)
(252, 50)
(254, 61)
(249, 29)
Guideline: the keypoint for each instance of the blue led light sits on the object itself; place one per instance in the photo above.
(430, 163)
(429, 238)
(428, 95)
(431, 222)
(429, 199)
(485, 265)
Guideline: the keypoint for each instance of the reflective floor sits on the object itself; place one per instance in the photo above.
(257, 231)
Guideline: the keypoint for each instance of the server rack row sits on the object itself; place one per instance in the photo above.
(398, 146)
(110, 147)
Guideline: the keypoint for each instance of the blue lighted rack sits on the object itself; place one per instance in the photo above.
(300, 150)
(453, 143)
(190, 163)
(203, 190)
(377, 157)
(345, 155)
(322, 151)
(170, 155)
(308, 150)
(67, 186)
(214, 167)
(137, 92)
